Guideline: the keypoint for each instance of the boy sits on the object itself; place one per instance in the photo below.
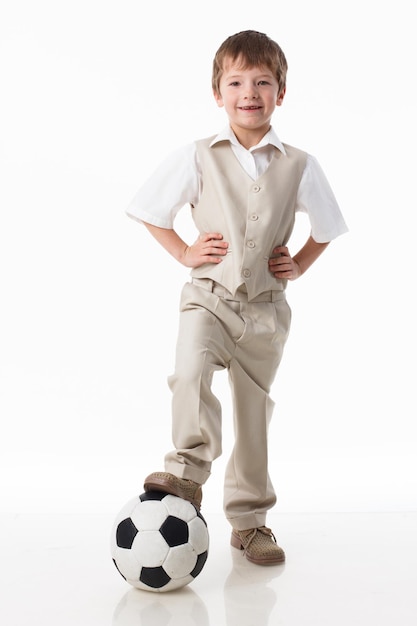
(244, 187)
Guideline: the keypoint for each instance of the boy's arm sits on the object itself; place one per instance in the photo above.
(208, 248)
(285, 266)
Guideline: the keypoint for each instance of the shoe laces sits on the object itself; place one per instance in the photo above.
(252, 534)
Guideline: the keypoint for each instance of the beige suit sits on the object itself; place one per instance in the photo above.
(234, 316)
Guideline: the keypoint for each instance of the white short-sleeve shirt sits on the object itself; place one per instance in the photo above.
(178, 181)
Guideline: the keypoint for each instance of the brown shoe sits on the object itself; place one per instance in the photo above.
(181, 487)
(259, 545)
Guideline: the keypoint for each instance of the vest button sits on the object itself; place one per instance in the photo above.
(246, 273)
(256, 188)
(250, 244)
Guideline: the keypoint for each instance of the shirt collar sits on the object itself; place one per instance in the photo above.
(270, 138)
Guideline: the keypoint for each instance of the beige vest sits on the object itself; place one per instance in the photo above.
(253, 216)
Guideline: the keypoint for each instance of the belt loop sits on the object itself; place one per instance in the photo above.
(204, 283)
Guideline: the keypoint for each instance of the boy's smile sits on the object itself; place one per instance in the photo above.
(249, 96)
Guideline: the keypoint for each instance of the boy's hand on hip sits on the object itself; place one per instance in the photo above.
(208, 248)
(282, 265)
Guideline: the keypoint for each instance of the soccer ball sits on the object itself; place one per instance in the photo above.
(159, 542)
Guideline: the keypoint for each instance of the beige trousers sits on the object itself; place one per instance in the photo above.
(219, 332)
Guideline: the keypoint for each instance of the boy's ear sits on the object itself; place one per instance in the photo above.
(218, 98)
(281, 97)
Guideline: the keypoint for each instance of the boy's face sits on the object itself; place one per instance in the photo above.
(249, 97)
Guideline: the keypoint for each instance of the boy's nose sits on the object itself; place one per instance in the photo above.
(251, 92)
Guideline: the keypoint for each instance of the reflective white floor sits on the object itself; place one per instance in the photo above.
(342, 569)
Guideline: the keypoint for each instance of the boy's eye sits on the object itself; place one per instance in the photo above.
(234, 83)
(263, 82)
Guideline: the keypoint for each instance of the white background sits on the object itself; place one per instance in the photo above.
(92, 95)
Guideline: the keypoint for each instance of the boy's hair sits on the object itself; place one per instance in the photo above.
(253, 49)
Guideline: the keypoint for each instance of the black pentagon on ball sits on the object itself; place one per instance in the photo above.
(201, 559)
(174, 531)
(153, 495)
(125, 533)
(116, 566)
(201, 517)
(155, 577)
